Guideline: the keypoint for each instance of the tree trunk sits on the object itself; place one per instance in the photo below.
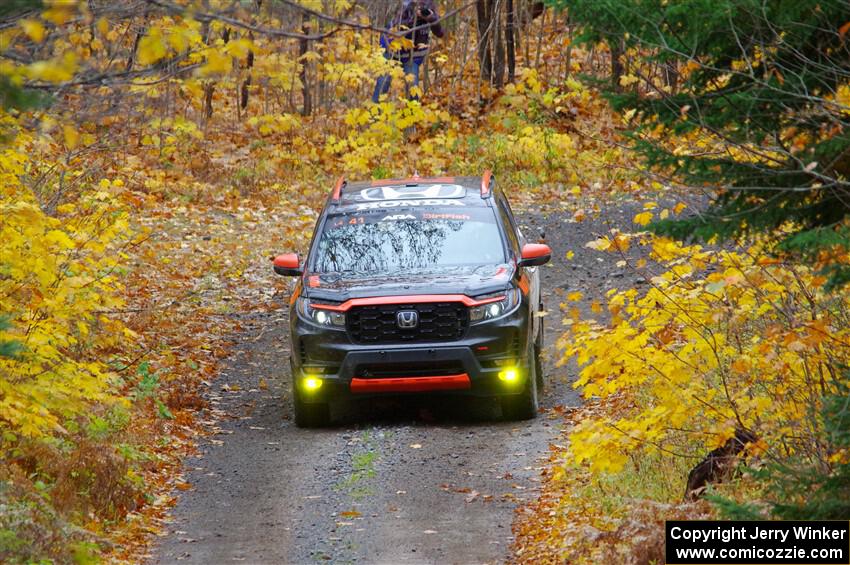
(485, 63)
(616, 62)
(303, 47)
(539, 38)
(209, 86)
(498, 45)
(247, 82)
(569, 57)
(209, 89)
(671, 76)
(425, 83)
(510, 34)
(132, 59)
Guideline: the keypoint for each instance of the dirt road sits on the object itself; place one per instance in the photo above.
(402, 482)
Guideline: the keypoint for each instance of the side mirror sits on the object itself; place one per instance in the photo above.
(535, 254)
(287, 265)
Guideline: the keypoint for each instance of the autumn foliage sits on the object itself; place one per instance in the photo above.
(742, 338)
(722, 340)
(152, 159)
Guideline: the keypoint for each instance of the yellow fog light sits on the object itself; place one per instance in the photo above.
(312, 384)
(508, 375)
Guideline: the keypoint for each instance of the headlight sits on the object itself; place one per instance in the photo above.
(495, 310)
(318, 315)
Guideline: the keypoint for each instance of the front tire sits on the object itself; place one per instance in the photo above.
(523, 406)
(538, 362)
(309, 415)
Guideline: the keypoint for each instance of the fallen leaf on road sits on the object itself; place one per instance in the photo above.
(416, 445)
(471, 496)
(350, 514)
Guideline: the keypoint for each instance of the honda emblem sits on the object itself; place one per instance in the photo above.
(407, 319)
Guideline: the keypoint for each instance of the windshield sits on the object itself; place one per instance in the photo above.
(406, 240)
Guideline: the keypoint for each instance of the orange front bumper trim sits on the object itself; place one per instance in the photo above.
(412, 384)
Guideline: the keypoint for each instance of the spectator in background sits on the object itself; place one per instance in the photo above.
(413, 14)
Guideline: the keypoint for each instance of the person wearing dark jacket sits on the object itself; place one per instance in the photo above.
(422, 18)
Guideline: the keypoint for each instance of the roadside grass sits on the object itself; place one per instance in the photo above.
(645, 477)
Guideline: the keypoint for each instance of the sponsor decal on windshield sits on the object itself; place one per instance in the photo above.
(445, 216)
(410, 192)
(435, 216)
(408, 204)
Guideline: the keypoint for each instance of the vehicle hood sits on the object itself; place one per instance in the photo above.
(471, 281)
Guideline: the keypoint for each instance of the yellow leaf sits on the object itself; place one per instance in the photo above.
(310, 56)
(33, 29)
(59, 12)
(71, 135)
(178, 41)
(601, 244)
(152, 47)
(621, 242)
(60, 238)
(217, 63)
(59, 69)
(102, 26)
(643, 218)
(574, 296)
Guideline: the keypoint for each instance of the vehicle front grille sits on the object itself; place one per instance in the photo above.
(429, 369)
(438, 321)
